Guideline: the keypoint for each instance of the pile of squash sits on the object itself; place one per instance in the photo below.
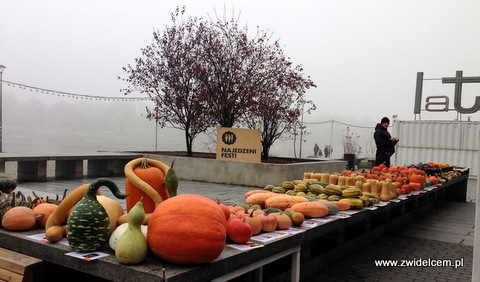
(246, 220)
(182, 229)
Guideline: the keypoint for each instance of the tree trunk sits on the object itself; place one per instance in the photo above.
(189, 143)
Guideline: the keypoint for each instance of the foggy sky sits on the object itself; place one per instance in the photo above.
(363, 55)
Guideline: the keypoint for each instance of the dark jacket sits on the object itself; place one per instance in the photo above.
(382, 140)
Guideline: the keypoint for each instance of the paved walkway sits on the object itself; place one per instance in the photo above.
(445, 233)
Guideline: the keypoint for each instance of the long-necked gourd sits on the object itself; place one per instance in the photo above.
(88, 225)
(132, 247)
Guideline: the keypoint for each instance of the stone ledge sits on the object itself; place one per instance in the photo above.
(244, 173)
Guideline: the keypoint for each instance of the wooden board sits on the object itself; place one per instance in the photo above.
(16, 262)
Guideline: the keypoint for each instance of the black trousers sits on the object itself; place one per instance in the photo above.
(382, 157)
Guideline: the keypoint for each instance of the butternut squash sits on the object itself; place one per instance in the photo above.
(325, 177)
(385, 194)
(374, 187)
(366, 187)
(333, 179)
(350, 180)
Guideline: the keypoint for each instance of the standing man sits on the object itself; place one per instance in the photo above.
(315, 150)
(385, 143)
(326, 151)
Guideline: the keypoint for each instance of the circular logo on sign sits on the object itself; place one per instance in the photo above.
(229, 138)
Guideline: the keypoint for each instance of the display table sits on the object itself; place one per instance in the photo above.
(290, 257)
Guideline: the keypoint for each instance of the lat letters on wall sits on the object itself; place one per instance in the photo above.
(441, 103)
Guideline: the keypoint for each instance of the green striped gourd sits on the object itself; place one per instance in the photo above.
(351, 192)
(332, 189)
(316, 189)
(354, 202)
(268, 187)
(300, 188)
(279, 190)
(88, 225)
(322, 196)
(323, 184)
(287, 185)
(333, 198)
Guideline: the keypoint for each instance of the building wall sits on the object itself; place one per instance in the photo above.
(453, 142)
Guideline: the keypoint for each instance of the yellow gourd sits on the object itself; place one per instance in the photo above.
(132, 247)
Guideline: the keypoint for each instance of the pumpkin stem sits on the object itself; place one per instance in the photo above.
(64, 194)
(172, 164)
(144, 164)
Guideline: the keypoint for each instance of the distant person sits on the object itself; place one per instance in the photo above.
(320, 154)
(326, 151)
(330, 150)
(385, 143)
(315, 150)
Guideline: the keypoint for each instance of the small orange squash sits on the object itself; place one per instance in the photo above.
(297, 218)
(254, 222)
(283, 220)
(19, 219)
(343, 206)
(46, 209)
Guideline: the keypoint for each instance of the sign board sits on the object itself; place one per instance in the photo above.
(441, 103)
(238, 144)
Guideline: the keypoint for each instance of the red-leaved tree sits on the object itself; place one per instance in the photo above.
(282, 103)
(203, 73)
(167, 74)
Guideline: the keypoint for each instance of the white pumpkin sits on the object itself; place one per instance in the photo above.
(118, 232)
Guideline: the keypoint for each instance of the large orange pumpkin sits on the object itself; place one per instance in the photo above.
(187, 229)
(155, 178)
